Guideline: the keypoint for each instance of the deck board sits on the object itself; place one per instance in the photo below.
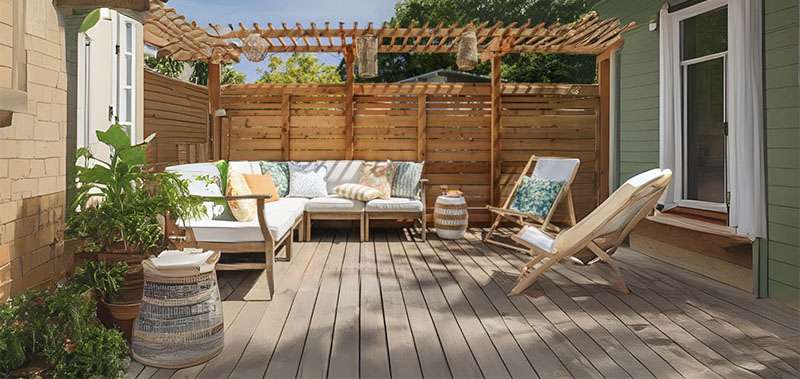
(401, 307)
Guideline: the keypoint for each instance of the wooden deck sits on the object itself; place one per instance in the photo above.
(395, 307)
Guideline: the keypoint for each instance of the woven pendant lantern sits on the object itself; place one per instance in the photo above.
(467, 56)
(255, 47)
(367, 58)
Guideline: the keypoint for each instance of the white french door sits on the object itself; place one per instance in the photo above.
(125, 50)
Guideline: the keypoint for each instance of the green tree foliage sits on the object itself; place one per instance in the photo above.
(516, 67)
(173, 68)
(298, 68)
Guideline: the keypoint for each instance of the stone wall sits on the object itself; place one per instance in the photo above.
(33, 151)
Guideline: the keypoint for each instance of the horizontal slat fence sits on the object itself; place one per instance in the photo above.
(177, 112)
(446, 125)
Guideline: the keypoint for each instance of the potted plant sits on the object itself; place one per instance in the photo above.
(118, 213)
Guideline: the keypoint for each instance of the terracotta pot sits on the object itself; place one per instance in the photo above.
(118, 316)
(133, 284)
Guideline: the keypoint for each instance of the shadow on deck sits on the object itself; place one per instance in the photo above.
(404, 308)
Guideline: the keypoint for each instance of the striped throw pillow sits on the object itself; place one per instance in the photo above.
(357, 192)
(406, 179)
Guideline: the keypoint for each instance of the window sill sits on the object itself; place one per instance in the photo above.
(11, 101)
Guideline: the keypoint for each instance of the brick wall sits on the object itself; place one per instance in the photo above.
(32, 153)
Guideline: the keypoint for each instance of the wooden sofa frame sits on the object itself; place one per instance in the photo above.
(418, 216)
(269, 245)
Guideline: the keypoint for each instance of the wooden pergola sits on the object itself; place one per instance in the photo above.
(182, 40)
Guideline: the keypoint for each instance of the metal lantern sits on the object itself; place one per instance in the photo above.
(255, 47)
(467, 56)
(367, 59)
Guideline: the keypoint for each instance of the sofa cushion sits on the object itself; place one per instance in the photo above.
(334, 203)
(394, 204)
(196, 174)
(358, 192)
(243, 210)
(378, 175)
(280, 216)
(406, 179)
(245, 167)
(279, 171)
(307, 180)
(341, 172)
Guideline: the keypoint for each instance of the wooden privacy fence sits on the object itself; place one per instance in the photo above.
(177, 112)
(446, 125)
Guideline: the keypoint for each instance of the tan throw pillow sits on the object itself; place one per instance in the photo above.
(243, 210)
(378, 175)
(357, 192)
(262, 185)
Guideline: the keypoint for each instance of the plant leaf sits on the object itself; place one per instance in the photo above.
(133, 157)
(115, 136)
(90, 20)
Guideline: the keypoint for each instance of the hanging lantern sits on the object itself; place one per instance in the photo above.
(255, 47)
(367, 58)
(467, 56)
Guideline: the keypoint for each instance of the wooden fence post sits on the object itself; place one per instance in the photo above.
(286, 118)
(603, 138)
(349, 56)
(422, 121)
(213, 86)
(494, 170)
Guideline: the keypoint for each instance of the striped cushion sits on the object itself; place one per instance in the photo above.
(406, 179)
(357, 192)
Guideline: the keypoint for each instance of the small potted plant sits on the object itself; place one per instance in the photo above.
(118, 212)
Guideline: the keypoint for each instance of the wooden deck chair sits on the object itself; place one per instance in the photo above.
(552, 168)
(602, 231)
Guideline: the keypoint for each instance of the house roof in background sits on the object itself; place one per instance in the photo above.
(460, 76)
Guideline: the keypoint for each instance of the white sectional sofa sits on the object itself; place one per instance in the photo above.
(279, 219)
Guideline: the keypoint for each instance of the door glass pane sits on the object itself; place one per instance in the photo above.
(129, 69)
(128, 105)
(128, 37)
(705, 34)
(705, 145)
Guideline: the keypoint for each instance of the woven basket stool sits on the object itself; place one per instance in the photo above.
(450, 216)
(180, 322)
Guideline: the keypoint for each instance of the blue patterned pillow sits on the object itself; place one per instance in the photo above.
(536, 195)
(406, 179)
(279, 171)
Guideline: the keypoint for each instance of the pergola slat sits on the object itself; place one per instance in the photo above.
(179, 39)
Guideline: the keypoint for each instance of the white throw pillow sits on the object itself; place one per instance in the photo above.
(307, 180)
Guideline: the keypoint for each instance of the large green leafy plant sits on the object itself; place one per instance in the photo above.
(119, 203)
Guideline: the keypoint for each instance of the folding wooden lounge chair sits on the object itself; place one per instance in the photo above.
(602, 231)
(551, 168)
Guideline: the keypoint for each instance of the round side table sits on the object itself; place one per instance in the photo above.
(450, 216)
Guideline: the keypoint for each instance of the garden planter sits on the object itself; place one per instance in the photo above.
(118, 316)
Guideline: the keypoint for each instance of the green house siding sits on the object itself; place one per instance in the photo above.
(638, 123)
(782, 118)
(638, 86)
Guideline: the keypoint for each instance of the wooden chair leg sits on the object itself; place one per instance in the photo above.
(491, 231)
(307, 221)
(424, 221)
(361, 227)
(366, 227)
(527, 278)
(268, 269)
(288, 245)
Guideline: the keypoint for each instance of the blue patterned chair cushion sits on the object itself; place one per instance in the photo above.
(536, 195)
(279, 171)
(406, 179)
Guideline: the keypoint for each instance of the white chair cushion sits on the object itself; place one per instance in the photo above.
(280, 216)
(534, 237)
(556, 169)
(245, 167)
(394, 204)
(341, 172)
(334, 203)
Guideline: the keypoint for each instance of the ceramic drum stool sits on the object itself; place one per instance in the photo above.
(450, 215)
(180, 322)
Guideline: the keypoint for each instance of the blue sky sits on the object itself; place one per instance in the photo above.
(289, 11)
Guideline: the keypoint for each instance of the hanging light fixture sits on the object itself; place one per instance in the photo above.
(467, 56)
(367, 58)
(255, 47)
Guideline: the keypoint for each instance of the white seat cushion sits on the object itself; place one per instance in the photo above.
(334, 203)
(394, 204)
(280, 216)
(534, 237)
